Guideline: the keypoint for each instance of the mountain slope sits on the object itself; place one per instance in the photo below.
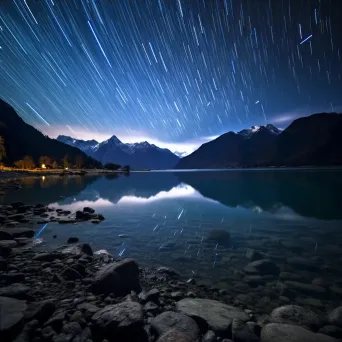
(138, 155)
(22, 139)
(313, 140)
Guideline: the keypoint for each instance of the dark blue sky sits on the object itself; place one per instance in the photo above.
(172, 71)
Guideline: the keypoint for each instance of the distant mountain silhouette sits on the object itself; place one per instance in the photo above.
(22, 139)
(309, 193)
(139, 155)
(315, 140)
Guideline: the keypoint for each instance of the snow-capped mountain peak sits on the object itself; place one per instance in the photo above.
(250, 131)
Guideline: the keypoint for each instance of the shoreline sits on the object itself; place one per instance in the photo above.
(73, 294)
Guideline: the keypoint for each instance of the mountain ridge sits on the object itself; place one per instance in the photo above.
(313, 140)
(137, 155)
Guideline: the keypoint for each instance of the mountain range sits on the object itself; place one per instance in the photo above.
(138, 155)
(315, 140)
(21, 139)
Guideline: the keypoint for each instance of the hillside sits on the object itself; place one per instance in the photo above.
(22, 139)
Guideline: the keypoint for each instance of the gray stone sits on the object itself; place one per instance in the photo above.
(15, 290)
(168, 271)
(262, 267)
(151, 307)
(47, 257)
(305, 288)
(291, 276)
(20, 232)
(242, 333)
(331, 330)
(71, 274)
(289, 333)
(257, 279)
(219, 236)
(174, 336)
(153, 295)
(11, 317)
(124, 320)
(253, 255)
(210, 336)
(296, 315)
(4, 235)
(87, 307)
(335, 317)
(218, 316)
(41, 311)
(174, 320)
(72, 328)
(302, 263)
(119, 278)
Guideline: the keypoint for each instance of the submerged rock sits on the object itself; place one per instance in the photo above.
(296, 315)
(220, 236)
(174, 336)
(262, 267)
(216, 315)
(335, 317)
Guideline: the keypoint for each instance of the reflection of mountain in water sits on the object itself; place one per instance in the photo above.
(310, 193)
(138, 184)
(48, 189)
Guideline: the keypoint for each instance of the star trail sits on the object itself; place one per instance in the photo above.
(170, 70)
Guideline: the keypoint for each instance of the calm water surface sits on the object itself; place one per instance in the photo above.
(167, 217)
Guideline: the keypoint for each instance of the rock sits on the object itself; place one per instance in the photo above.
(88, 210)
(153, 295)
(11, 317)
(151, 307)
(331, 330)
(40, 311)
(216, 315)
(178, 321)
(3, 264)
(119, 278)
(71, 274)
(168, 271)
(122, 322)
(296, 315)
(219, 236)
(6, 247)
(289, 333)
(85, 336)
(86, 249)
(262, 267)
(20, 232)
(209, 337)
(83, 216)
(83, 248)
(242, 333)
(336, 290)
(4, 235)
(174, 336)
(87, 307)
(291, 276)
(16, 205)
(12, 277)
(56, 321)
(305, 288)
(47, 257)
(72, 328)
(335, 317)
(302, 263)
(257, 279)
(253, 255)
(72, 240)
(16, 290)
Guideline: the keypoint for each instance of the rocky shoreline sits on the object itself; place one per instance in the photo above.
(74, 294)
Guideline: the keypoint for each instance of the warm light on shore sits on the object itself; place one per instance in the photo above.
(43, 166)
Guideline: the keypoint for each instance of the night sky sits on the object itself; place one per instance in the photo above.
(175, 72)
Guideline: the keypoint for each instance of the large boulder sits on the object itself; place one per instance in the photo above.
(174, 336)
(19, 232)
(11, 317)
(6, 247)
(40, 311)
(305, 288)
(296, 315)
(289, 333)
(216, 315)
(16, 290)
(262, 267)
(119, 278)
(123, 321)
(242, 333)
(175, 320)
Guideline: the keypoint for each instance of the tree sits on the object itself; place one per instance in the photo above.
(65, 161)
(126, 168)
(112, 166)
(54, 165)
(2, 148)
(79, 161)
(26, 163)
(47, 161)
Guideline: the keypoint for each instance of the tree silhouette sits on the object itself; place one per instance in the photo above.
(65, 161)
(45, 160)
(2, 148)
(79, 161)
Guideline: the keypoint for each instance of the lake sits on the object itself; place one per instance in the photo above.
(179, 220)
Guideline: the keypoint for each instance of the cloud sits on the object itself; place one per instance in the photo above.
(186, 147)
